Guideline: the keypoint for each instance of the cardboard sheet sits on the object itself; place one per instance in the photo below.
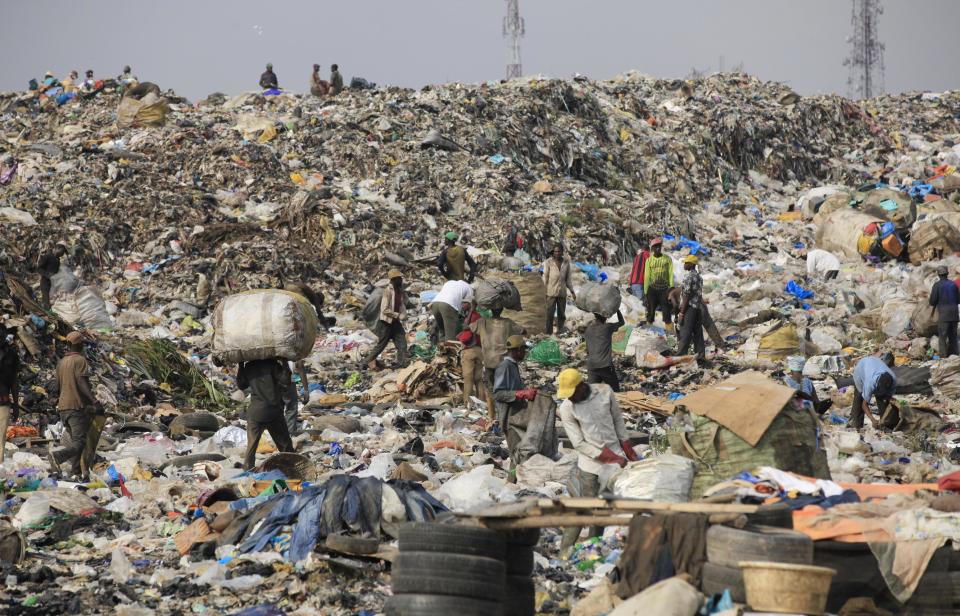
(746, 404)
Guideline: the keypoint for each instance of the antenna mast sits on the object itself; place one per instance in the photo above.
(866, 51)
(513, 31)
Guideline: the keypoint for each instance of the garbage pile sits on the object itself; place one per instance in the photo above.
(171, 214)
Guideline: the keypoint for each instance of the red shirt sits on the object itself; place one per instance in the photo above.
(639, 261)
(467, 337)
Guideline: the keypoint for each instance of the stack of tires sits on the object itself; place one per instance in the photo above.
(520, 598)
(727, 547)
(463, 571)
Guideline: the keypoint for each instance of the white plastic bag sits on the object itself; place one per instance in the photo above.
(539, 469)
(473, 489)
(666, 478)
(84, 309)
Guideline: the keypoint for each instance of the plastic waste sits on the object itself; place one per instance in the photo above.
(547, 353)
(121, 570)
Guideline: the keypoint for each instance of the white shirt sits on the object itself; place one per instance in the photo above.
(592, 425)
(454, 293)
(821, 262)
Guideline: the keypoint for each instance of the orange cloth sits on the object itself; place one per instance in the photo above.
(27, 431)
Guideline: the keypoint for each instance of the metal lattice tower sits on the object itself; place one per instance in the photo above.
(866, 51)
(513, 31)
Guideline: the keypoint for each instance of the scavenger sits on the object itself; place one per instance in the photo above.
(454, 260)
(557, 280)
(599, 338)
(509, 394)
(268, 380)
(76, 404)
(389, 323)
(592, 420)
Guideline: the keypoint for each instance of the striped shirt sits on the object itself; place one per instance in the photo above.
(658, 273)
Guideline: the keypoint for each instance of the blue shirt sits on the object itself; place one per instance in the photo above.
(805, 385)
(867, 373)
(945, 296)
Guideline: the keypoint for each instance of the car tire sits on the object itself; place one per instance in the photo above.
(432, 573)
(440, 605)
(729, 547)
(520, 598)
(451, 539)
(519, 560)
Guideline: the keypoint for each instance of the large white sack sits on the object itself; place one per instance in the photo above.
(83, 309)
(665, 479)
(63, 282)
(841, 230)
(263, 324)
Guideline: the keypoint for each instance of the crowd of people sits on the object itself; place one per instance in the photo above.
(492, 350)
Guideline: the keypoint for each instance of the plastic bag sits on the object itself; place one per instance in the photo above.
(666, 478)
(472, 489)
(547, 353)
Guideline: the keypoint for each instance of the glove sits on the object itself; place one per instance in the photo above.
(628, 451)
(608, 457)
(526, 394)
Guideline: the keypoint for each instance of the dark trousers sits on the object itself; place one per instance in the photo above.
(606, 375)
(291, 411)
(45, 285)
(556, 306)
(691, 330)
(658, 298)
(445, 318)
(856, 412)
(947, 338)
(77, 423)
(582, 484)
(711, 326)
(387, 332)
(277, 427)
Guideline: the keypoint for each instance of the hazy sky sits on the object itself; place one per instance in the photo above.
(201, 46)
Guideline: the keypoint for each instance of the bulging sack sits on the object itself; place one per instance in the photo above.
(494, 293)
(83, 309)
(371, 309)
(602, 299)
(263, 324)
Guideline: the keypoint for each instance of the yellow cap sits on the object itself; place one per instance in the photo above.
(394, 273)
(515, 342)
(691, 259)
(567, 382)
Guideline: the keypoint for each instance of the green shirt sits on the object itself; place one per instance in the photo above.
(658, 273)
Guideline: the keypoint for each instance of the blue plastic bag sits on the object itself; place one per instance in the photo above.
(797, 291)
(592, 271)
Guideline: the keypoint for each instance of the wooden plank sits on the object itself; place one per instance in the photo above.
(558, 521)
(551, 505)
